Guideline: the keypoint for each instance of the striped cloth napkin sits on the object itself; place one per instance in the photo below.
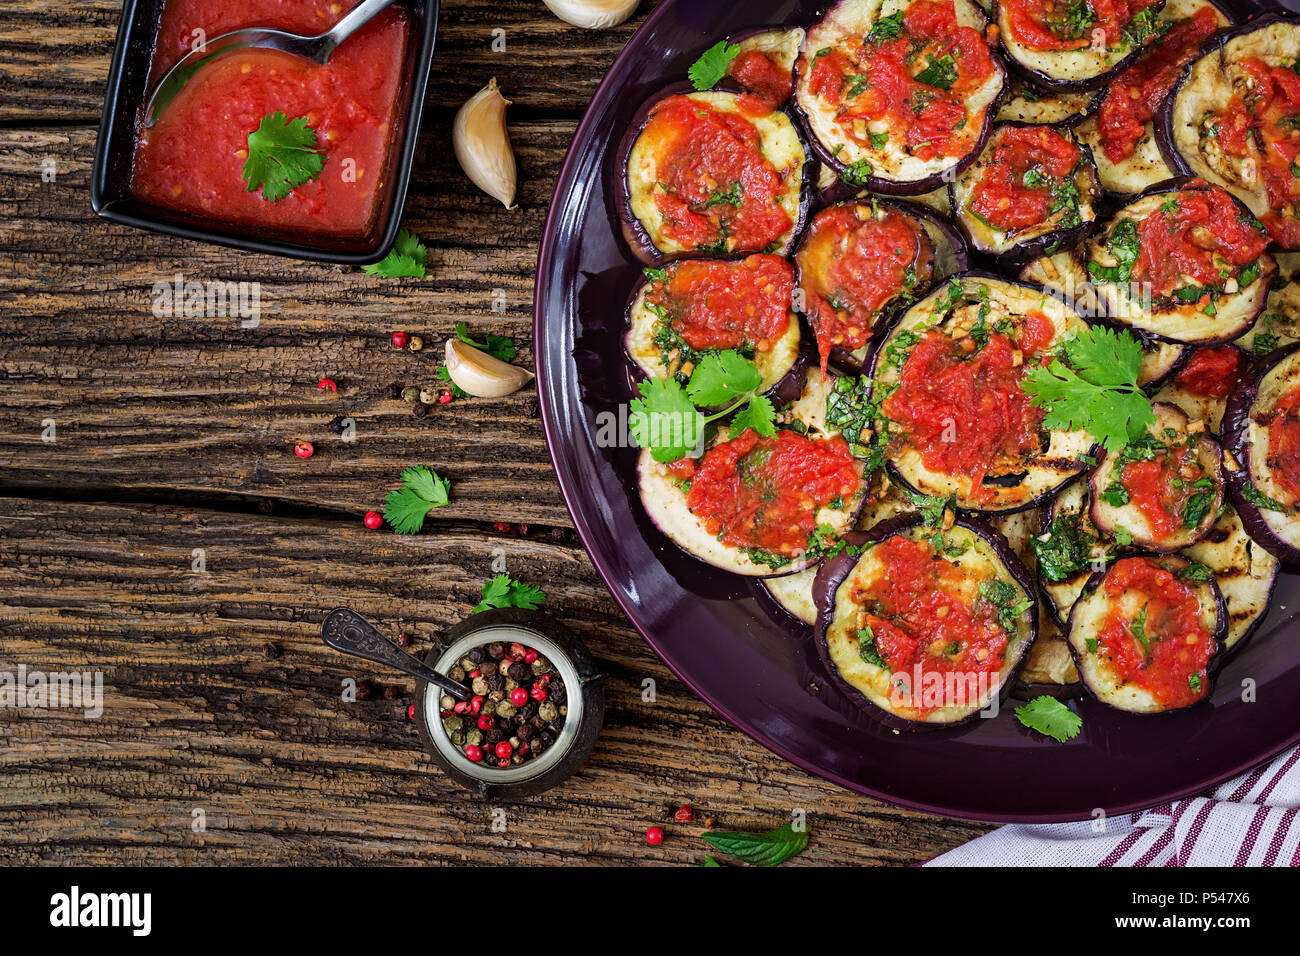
(1249, 821)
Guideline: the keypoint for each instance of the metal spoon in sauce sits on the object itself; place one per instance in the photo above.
(345, 630)
(317, 49)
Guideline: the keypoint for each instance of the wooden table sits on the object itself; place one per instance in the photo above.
(173, 441)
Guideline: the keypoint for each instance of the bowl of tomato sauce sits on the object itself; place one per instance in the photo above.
(349, 128)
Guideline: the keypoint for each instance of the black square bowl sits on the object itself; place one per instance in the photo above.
(110, 189)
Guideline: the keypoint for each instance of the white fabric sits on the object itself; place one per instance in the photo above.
(1253, 820)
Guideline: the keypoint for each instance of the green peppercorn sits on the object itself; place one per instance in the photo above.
(411, 394)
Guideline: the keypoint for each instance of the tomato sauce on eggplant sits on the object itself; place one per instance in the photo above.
(716, 189)
(961, 406)
(1023, 180)
(764, 493)
(1196, 233)
(921, 618)
(1162, 646)
(762, 77)
(1052, 25)
(857, 259)
(1162, 487)
(1133, 99)
(907, 78)
(1284, 444)
(1263, 125)
(1212, 372)
(713, 304)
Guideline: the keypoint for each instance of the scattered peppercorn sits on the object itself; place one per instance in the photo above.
(400, 340)
(411, 394)
(403, 639)
(444, 396)
(391, 692)
(270, 651)
(654, 836)
(363, 690)
(393, 391)
(428, 396)
(304, 449)
(328, 384)
(373, 520)
(337, 424)
(410, 712)
(685, 813)
(416, 343)
(502, 526)
(419, 411)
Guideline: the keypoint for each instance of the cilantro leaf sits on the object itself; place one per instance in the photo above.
(408, 258)
(505, 591)
(1050, 717)
(758, 415)
(664, 420)
(722, 377)
(712, 65)
(1095, 387)
(282, 155)
(498, 346)
(422, 490)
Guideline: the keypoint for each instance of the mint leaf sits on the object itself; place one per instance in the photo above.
(761, 849)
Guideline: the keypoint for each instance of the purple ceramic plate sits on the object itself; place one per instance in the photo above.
(720, 633)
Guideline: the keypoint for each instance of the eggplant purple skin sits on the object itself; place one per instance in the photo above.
(1027, 692)
(784, 390)
(926, 184)
(1022, 254)
(635, 234)
(1220, 632)
(1164, 118)
(1236, 422)
(873, 359)
(842, 359)
(1038, 78)
(834, 570)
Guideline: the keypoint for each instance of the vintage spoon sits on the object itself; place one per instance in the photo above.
(345, 630)
(317, 48)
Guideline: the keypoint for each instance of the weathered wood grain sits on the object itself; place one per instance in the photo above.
(54, 57)
(202, 404)
(197, 717)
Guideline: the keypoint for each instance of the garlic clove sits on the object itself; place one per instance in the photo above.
(482, 143)
(593, 14)
(482, 375)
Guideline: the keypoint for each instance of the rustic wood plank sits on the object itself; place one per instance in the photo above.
(141, 401)
(198, 717)
(54, 58)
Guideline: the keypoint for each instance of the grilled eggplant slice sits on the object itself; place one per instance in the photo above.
(898, 94)
(1147, 632)
(1033, 188)
(857, 260)
(691, 307)
(1075, 45)
(1244, 572)
(953, 419)
(1229, 120)
(1184, 262)
(746, 193)
(1202, 385)
(1261, 430)
(1121, 131)
(1279, 324)
(1025, 103)
(924, 664)
(756, 506)
(1048, 667)
(764, 64)
(1165, 490)
(1069, 550)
